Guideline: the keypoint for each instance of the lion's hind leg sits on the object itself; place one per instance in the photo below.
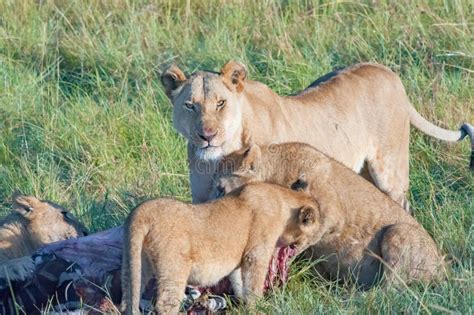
(389, 172)
(409, 254)
(172, 273)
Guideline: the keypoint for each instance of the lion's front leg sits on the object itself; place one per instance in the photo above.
(254, 270)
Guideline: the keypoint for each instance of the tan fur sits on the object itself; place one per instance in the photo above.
(32, 224)
(364, 233)
(200, 244)
(358, 116)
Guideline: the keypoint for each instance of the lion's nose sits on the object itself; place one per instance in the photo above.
(208, 134)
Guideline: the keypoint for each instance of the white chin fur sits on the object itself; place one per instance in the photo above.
(210, 154)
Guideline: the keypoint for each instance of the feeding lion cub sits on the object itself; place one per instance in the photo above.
(200, 244)
(362, 232)
(33, 223)
(359, 116)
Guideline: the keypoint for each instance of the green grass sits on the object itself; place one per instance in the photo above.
(85, 122)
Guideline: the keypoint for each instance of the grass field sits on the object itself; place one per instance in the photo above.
(85, 122)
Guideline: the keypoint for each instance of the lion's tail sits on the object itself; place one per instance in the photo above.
(443, 134)
(132, 266)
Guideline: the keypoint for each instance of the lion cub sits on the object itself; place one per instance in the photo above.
(32, 224)
(363, 233)
(200, 244)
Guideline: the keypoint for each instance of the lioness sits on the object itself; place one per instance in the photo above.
(359, 116)
(32, 224)
(363, 234)
(201, 244)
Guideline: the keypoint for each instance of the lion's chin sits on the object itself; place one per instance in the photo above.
(210, 153)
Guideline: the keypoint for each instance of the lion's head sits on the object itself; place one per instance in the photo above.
(207, 106)
(288, 164)
(46, 222)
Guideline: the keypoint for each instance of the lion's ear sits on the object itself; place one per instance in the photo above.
(307, 215)
(24, 204)
(234, 74)
(252, 156)
(172, 78)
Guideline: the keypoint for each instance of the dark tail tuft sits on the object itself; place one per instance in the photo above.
(468, 129)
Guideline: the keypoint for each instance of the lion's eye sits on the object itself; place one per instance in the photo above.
(189, 105)
(220, 104)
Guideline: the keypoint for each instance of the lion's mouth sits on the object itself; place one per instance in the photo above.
(209, 152)
(208, 146)
(214, 143)
(204, 144)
